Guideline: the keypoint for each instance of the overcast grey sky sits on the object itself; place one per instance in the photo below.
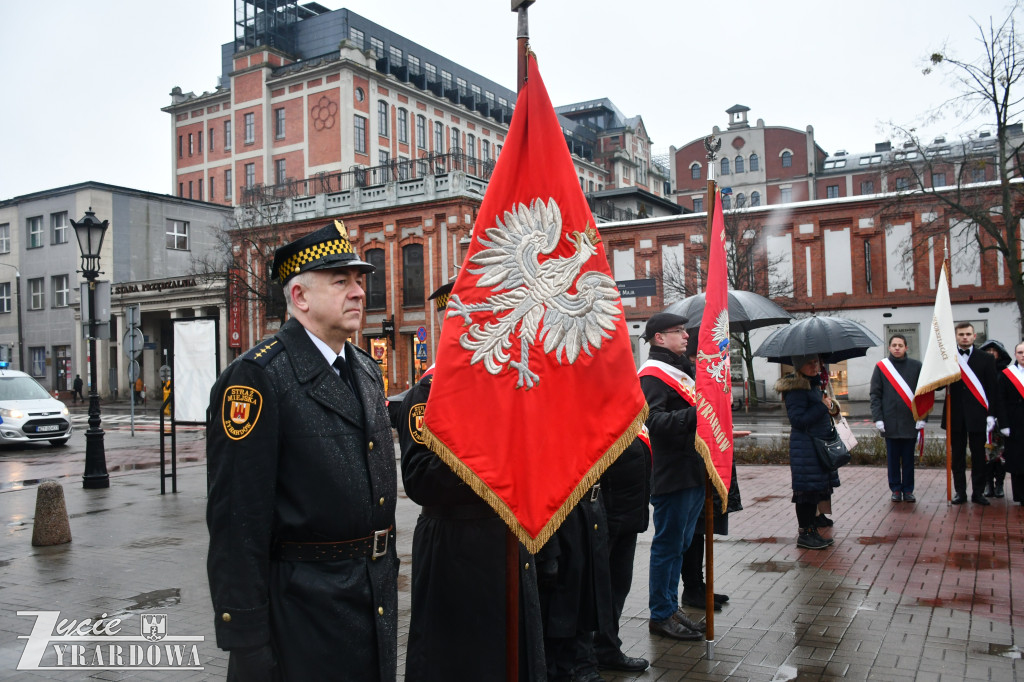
(85, 81)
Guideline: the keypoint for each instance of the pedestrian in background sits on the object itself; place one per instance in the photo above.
(77, 387)
(892, 399)
(810, 413)
(995, 476)
(1011, 420)
(302, 486)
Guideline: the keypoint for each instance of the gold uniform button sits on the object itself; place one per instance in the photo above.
(595, 526)
(380, 610)
(371, 445)
(527, 565)
(382, 501)
(226, 617)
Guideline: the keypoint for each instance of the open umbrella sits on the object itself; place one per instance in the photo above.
(833, 338)
(747, 311)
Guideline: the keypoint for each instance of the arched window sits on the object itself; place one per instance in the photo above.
(755, 163)
(726, 202)
(725, 166)
(695, 171)
(787, 159)
(739, 165)
(741, 200)
(412, 275)
(755, 198)
(375, 291)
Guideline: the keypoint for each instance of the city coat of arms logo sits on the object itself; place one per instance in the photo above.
(154, 626)
(241, 411)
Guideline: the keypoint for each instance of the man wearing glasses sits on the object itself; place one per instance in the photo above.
(677, 482)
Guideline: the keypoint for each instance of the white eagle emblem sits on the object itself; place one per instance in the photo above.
(536, 296)
(718, 363)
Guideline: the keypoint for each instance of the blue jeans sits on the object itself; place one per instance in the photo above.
(900, 457)
(675, 518)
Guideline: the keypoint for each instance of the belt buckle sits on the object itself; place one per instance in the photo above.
(380, 543)
(594, 491)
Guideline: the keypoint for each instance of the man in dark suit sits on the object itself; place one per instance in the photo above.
(973, 415)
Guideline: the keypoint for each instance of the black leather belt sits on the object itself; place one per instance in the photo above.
(372, 546)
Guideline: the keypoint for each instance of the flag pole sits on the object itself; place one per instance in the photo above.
(711, 146)
(520, 7)
(948, 403)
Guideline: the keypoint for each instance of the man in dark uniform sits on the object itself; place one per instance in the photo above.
(301, 512)
(973, 415)
(457, 625)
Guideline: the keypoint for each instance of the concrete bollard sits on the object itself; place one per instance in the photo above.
(51, 525)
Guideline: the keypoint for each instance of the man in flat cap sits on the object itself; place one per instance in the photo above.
(677, 481)
(302, 486)
(457, 627)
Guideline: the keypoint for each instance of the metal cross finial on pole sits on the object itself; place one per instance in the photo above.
(711, 146)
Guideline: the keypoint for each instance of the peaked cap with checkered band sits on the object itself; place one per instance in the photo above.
(324, 249)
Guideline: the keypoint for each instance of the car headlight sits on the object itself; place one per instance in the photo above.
(12, 414)
(65, 412)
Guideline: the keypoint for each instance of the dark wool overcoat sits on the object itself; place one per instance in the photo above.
(457, 626)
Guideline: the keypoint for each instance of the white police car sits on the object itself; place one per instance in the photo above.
(28, 412)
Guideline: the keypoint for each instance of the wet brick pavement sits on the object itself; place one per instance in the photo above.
(909, 591)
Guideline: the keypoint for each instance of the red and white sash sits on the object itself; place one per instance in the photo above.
(427, 372)
(678, 380)
(899, 383)
(1015, 373)
(971, 381)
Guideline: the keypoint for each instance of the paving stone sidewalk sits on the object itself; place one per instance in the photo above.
(909, 591)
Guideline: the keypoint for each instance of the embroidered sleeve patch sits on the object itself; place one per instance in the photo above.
(240, 411)
(416, 422)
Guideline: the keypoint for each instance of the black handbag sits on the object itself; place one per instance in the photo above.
(831, 451)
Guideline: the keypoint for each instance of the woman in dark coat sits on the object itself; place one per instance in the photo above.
(1011, 417)
(809, 410)
(996, 473)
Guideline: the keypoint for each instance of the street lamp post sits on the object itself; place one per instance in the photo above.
(90, 231)
(17, 302)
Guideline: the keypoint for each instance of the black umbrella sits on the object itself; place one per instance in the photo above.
(747, 311)
(832, 338)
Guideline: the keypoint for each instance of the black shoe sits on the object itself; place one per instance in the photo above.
(909, 497)
(683, 619)
(958, 498)
(809, 539)
(988, 490)
(697, 600)
(978, 499)
(897, 497)
(822, 521)
(624, 663)
(673, 629)
(999, 490)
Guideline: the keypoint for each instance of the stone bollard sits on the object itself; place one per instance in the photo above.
(51, 523)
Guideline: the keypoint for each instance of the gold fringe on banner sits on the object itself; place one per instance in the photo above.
(533, 544)
(937, 384)
(709, 464)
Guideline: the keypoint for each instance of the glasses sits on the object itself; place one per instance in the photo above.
(674, 331)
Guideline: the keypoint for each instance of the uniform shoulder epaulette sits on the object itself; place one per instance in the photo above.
(264, 351)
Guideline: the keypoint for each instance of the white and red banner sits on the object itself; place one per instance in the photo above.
(940, 366)
(714, 378)
(1016, 376)
(537, 391)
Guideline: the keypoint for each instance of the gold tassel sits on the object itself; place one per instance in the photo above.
(716, 480)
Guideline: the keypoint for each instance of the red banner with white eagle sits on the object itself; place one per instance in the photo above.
(714, 380)
(535, 390)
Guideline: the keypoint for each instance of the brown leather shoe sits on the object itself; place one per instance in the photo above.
(672, 628)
